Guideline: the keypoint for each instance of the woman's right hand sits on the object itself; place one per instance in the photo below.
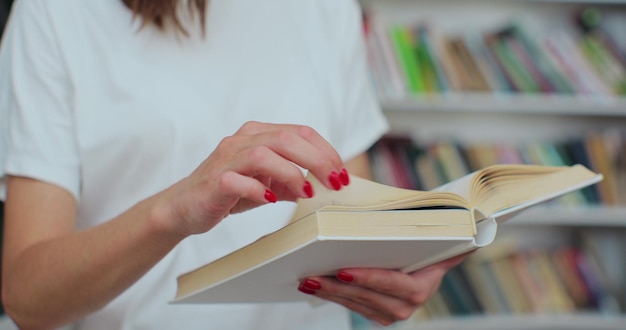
(259, 164)
(254, 166)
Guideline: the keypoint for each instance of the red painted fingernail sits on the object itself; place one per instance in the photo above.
(311, 284)
(308, 189)
(269, 195)
(306, 290)
(334, 180)
(344, 177)
(345, 276)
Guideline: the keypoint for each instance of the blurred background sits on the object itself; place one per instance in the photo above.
(470, 83)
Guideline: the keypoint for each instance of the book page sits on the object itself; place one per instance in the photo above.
(513, 188)
(461, 186)
(364, 195)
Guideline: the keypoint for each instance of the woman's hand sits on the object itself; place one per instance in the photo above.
(258, 164)
(383, 296)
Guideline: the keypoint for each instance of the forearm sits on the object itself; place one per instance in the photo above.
(67, 277)
(53, 275)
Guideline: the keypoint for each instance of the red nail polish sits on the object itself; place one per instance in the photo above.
(334, 180)
(311, 284)
(345, 277)
(270, 197)
(344, 177)
(306, 290)
(308, 189)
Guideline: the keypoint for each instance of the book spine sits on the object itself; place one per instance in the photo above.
(433, 58)
(403, 41)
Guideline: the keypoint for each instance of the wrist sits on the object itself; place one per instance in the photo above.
(162, 220)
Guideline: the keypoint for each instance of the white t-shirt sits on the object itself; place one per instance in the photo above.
(115, 114)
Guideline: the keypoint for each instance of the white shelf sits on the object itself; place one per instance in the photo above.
(520, 322)
(538, 104)
(583, 217)
(599, 2)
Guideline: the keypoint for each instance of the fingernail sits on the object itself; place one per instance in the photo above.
(308, 189)
(306, 290)
(270, 197)
(311, 284)
(345, 277)
(334, 180)
(344, 177)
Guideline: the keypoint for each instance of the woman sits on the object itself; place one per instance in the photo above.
(141, 139)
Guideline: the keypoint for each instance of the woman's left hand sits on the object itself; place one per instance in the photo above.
(380, 295)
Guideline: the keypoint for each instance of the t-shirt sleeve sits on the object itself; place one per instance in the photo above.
(37, 138)
(362, 118)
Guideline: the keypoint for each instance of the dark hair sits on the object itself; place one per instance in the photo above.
(164, 13)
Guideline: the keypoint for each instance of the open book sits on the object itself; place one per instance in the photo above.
(368, 224)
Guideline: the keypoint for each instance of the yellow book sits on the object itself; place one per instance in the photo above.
(368, 224)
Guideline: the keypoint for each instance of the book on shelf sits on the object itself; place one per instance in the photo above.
(429, 48)
(465, 65)
(486, 63)
(500, 44)
(563, 47)
(369, 224)
(567, 59)
(433, 163)
(511, 279)
(404, 45)
(382, 45)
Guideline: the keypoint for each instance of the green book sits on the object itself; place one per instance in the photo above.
(403, 42)
(520, 76)
(605, 63)
(556, 77)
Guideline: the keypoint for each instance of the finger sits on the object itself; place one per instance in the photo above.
(304, 146)
(371, 304)
(414, 288)
(432, 276)
(306, 132)
(439, 269)
(282, 192)
(313, 137)
(234, 186)
(309, 156)
(411, 289)
(262, 162)
(266, 181)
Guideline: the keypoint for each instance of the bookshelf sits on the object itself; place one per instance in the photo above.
(514, 116)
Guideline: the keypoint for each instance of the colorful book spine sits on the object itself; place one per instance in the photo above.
(403, 42)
